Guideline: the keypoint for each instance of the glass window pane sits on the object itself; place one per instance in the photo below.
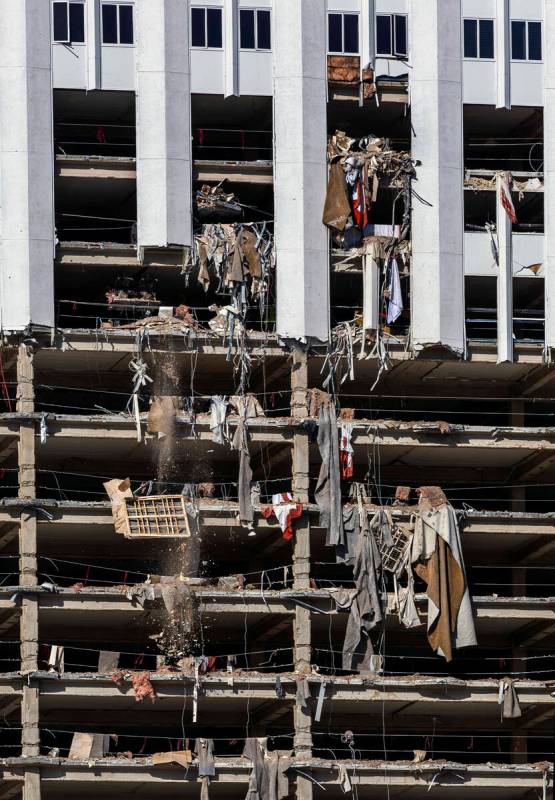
(335, 33)
(246, 25)
(401, 48)
(214, 26)
(518, 45)
(535, 41)
(350, 32)
(198, 33)
(264, 30)
(486, 38)
(77, 23)
(470, 38)
(109, 24)
(126, 25)
(60, 22)
(383, 34)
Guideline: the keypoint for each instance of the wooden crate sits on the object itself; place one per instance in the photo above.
(158, 516)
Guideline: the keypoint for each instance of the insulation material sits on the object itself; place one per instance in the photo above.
(183, 758)
(162, 414)
(107, 662)
(119, 491)
(86, 746)
(143, 687)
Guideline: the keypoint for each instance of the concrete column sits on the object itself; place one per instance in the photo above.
(302, 271)
(26, 166)
(92, 10)
(503, 53)
(367, 27)
(549, 173)
(231, 44)
(31, 785)
(504, 281)
(437, 272)
(164, 179)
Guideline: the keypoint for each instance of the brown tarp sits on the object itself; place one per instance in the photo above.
(337, 208)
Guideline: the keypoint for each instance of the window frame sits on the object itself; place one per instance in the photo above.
(256, 48)
(69, 41)
(527, 59)
(222, 22)
(478, 57)
(393, 35)
(342, 14)
(117, 4)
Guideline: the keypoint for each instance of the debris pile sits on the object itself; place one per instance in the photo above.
(213, 202)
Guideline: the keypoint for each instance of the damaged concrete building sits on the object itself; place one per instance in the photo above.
(277, 307)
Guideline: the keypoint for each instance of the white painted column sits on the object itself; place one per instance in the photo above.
(231, 45)
(367, 27)
(549, 172)
(93, 39)
(164, 168)
(503, 53)
(26, 166)
(301, 240)
(370, 294)
(437, 271)
(504, 281)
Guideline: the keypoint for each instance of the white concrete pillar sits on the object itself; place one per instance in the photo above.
(549, 173)
(26, 166)
(370, 294)
(503, 53)
(437, 271)
(368, 27)
(92, 10)
(164, 168)
(300, 169)
(504, 281)
(231, 48)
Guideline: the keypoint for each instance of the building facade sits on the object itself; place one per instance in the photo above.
(283, 265)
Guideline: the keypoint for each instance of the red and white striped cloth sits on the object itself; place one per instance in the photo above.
(285, 509)
(346, 451)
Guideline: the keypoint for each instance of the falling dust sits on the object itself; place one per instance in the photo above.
(180, 634)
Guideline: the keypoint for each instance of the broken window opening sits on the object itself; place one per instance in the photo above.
(68, 22)
(117, 24)
(392, 35)
(343, 34)
(479, 39)
(255, 29)
(206, 28)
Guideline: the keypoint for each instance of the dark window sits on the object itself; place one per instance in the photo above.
(391, 35)
(109, 24)
(61, 32)
(246, 24)
(534, 41)
(68, 22)
(76, 22)
(350, 33)
(214, 27)
(335, 33)
(384, 38)
(198, 27)
(126, 24)
(264, 30)
(343, 33)
(486, 38)
(471, 38)
(401, 46)
(478, 38)
(518, 40)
